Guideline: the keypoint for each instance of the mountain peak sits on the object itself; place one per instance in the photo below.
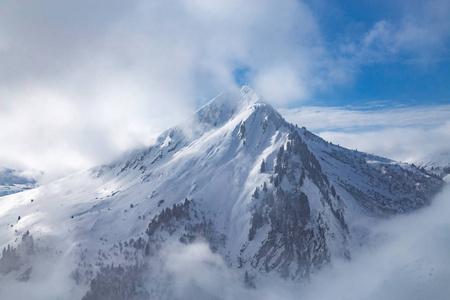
(250, 96)
(236, 98)
(228, 104)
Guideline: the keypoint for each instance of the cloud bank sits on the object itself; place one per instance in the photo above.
(82, 82)
(406, 259)
(408, 134)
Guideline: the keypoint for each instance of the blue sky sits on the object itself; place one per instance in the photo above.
(393, 84)
(81, 82)
(405, 76)
(402, 66)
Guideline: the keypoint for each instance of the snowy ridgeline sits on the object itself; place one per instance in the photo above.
(438, 163)
(234, 187)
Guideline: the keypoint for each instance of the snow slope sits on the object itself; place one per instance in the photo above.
(270, 198)
(437, 163)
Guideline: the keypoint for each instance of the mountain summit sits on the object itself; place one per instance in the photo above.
(270, 198)
(223, 107)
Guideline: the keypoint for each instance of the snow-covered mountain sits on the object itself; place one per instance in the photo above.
(437, 163)
(272, 199)
(11, 182)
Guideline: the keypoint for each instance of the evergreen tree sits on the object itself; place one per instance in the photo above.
(263, 166)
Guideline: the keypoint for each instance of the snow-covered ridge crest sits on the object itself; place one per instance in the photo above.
(217, 112)
(230, 108)
(228, 104)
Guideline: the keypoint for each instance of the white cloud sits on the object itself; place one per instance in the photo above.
(420, 35)
(280, 85)
(198, 273)
(81, 82)
(413, 145)
(406, 134)
(319, 119)
(406, 259)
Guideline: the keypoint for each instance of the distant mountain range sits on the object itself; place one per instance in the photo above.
(11, 181)
(270, 198)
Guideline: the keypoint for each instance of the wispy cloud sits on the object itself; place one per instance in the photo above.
(419, 35)
(407, 134)
(362, 118)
